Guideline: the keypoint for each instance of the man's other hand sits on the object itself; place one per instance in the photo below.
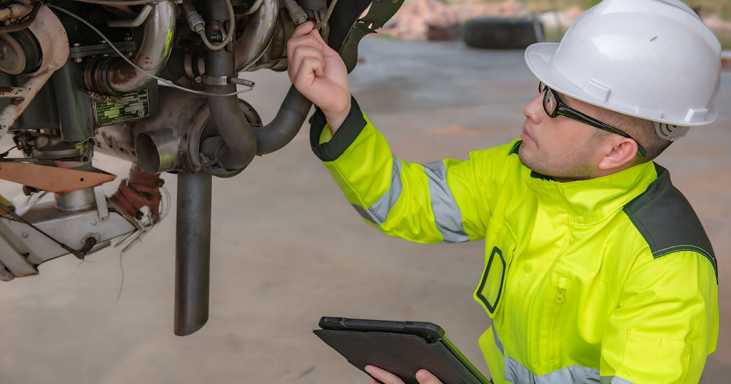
(423, 376)
(318, 72)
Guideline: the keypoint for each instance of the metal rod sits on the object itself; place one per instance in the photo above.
(192, 248)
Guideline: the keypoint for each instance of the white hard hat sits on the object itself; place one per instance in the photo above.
(652, 59)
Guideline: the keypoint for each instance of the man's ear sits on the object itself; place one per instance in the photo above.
(620, 153)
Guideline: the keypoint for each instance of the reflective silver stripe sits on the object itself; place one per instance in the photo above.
(378, 212)
(516, 372)
(498, 343)
(614, 380)
(446, 212)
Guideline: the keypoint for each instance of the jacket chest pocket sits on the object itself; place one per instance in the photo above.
(491, 287)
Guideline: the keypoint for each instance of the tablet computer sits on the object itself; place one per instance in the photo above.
(400, 347)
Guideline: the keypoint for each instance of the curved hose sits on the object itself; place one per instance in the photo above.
(285, 126)
(242, 143)
(295, 107)
(239, 145)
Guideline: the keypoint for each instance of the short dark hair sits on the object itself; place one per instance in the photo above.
(641, 130)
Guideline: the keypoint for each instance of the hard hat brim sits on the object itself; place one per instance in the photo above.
(538, 58)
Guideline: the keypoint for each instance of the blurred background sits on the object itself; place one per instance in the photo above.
(417, 17)
(287, 248)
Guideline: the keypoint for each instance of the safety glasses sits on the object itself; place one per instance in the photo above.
(554, 107)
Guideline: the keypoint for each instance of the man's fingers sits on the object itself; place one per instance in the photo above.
(304, 29)
(425, 377)
(304, 52)
(383, 376)
(308, 69)
(327, 50)
(302, 41)
(316, 35)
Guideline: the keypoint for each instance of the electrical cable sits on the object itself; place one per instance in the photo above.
(163, 81)
(329, 13)
(6, 153)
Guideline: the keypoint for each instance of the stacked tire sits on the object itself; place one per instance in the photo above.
(503, 32)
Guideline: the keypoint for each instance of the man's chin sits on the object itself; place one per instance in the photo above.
(531, 163)
(525, 158)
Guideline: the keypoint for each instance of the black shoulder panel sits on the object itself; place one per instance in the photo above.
(516, 148)
(667, 221)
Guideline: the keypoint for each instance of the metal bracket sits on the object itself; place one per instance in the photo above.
(102, 208)
(378, 14)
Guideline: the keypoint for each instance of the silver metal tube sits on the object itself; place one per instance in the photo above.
(134, 23)
(193, 252)
(157, 151)
(259, 31)
(76, 200)
(118, 76)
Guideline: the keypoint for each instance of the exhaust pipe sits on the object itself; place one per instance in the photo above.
(239, 145)
(115, 76)
(259, 31)
(295, 107)
(193, 252)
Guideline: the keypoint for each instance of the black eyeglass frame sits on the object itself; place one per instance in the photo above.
(562, 109)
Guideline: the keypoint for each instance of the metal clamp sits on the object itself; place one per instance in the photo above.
(219, 81)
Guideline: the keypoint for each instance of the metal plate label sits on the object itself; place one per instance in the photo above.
(115, 110)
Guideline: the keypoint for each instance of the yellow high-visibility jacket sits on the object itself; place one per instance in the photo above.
(609, 280)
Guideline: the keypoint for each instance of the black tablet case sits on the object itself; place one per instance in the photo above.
(402, 354)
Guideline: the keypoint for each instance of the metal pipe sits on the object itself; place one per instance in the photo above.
(236, 147)
(157, 151)
(133, 23)
(239, 138)
(259, 31)
(296, 12)
(115, 76)
(192, 248)
(295, 107)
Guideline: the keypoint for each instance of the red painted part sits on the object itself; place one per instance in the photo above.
(141, 189)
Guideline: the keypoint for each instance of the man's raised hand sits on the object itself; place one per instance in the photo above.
(318, 72)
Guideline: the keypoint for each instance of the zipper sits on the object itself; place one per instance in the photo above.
(555, 331)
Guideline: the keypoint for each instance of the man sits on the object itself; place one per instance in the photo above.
(596, 268)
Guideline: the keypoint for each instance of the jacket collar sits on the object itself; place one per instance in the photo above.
(594, 199)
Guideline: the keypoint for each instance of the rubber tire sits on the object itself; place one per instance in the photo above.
(502, 32)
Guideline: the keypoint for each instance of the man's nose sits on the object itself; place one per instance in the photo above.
(533, 111)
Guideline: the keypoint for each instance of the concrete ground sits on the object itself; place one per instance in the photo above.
(287, 248)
